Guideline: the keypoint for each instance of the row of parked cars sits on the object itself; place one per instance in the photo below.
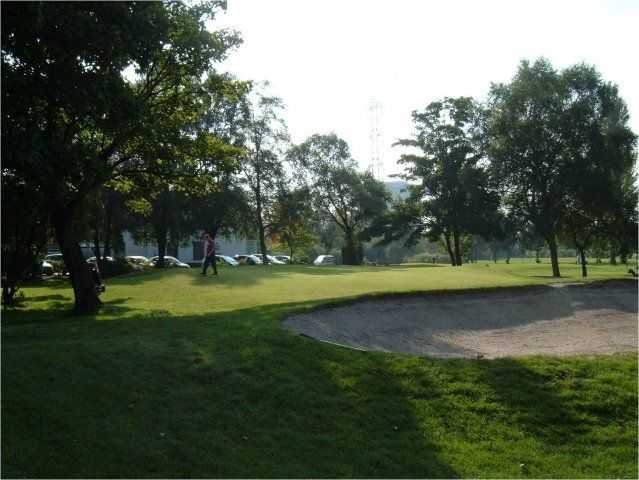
(139, 262)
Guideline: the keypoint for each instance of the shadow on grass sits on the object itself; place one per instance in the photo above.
(529, 397)
(232, 395)
(45, 298)
(228, 395)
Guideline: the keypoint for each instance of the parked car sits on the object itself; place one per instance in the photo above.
(271, 259)
(56, 260)
(227, 260)
(93, 259)
(169, 262)
(324, 260)
(137, 259)
(47, 268)
(245, 259)
(55, 256)
(283, 258)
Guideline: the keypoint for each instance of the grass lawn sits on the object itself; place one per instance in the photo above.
(190, 376)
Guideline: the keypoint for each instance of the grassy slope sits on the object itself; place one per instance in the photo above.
(184, 376)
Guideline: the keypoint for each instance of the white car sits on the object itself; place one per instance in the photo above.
(226, 259)
(93, 259)
(270, 258)
(244, 259)
(47, 268)
(169, 262)
(324, 260)
(283, 258)
(137, 259)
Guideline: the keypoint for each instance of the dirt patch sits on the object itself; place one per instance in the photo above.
(558, 320)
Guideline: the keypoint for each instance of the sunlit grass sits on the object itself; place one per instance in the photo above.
(194, 377)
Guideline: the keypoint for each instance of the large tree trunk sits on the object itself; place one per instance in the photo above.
(96, 250)
(263, 242)
(161, 239)
(554, 259)
(86, 297)
(213, 237)
(623, 256)
(9, 289)
(458, 255)
(260, 224)
(537, 260)
(613, 255)
(106, 250)
(350, 252)
(582, 258)
(449, 248)
(173, 248)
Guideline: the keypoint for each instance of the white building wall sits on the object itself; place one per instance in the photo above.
(232, 245)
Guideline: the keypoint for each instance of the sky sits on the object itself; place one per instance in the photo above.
(329, 60)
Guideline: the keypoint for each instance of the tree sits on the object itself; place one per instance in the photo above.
(454, 197)
(292, 223)
(224, 210)
(264, 134)
(352, 199)
(558, 141)
(220, 205)
(599, 154)
(107, 217)
(164, 216)
(72, 114)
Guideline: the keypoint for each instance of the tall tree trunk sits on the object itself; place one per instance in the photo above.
(173, 247)
(161, 239)
(86, 297)
(623, 256)
(446, 236)
(458, 255)
(260, 223)
(106, 250)
(350, 254)
(537, 260)
(96, 250)
(554, 259)
(263, 243)
(582, 258)
(613, 255)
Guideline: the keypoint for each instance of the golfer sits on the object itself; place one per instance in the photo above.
(209, 254)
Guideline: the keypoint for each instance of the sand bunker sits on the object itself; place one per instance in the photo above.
(557, 320)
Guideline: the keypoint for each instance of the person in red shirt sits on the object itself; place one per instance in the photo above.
(209, 254)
